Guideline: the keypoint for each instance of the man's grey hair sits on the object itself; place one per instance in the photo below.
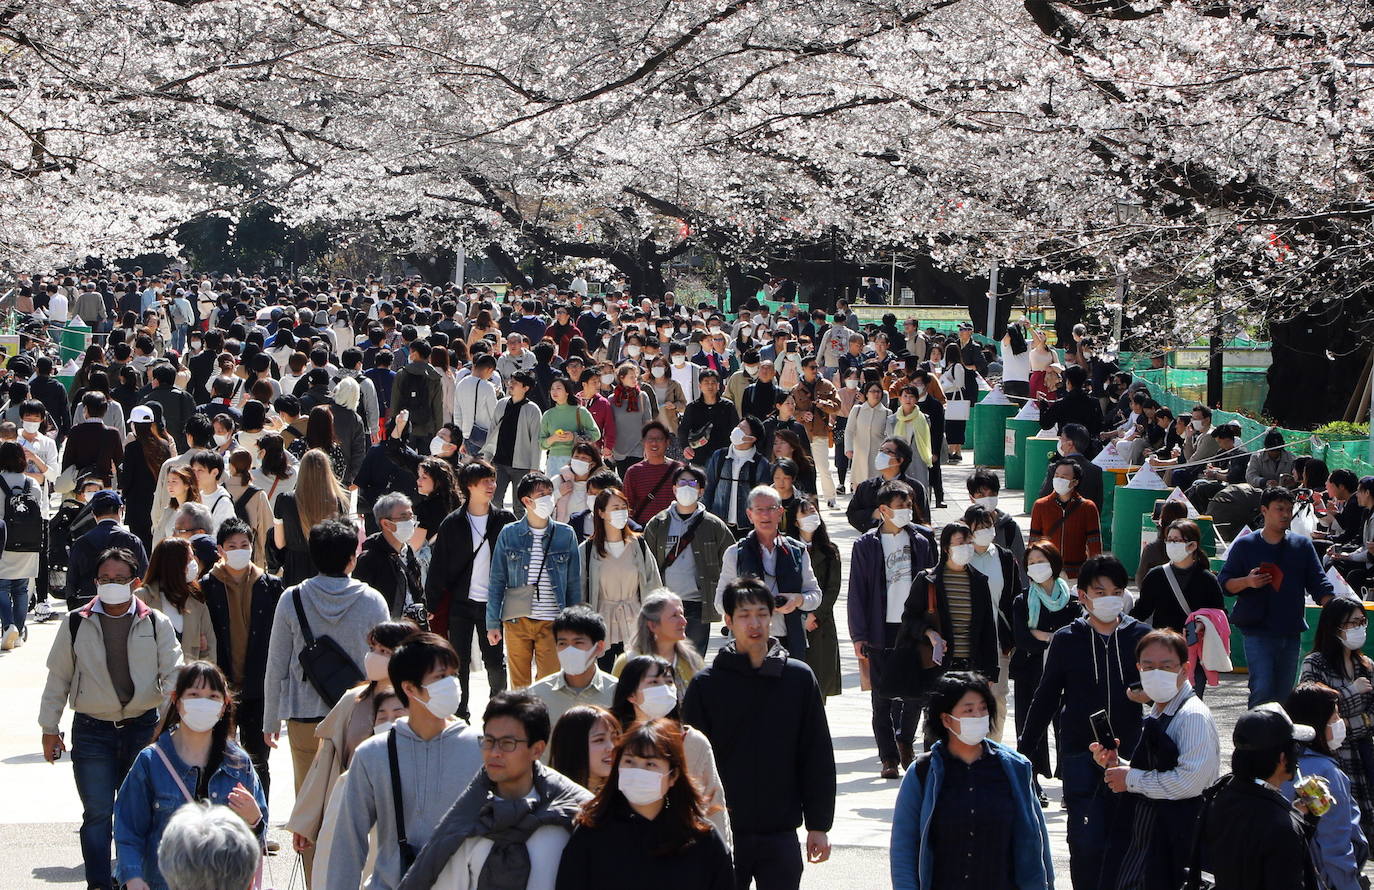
(388, 503)
(764, 491)
(208, 847)
(198, 514)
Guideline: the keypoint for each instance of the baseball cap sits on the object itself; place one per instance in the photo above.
(965, 326)
(1266, 727)
(141, 414)
(105, 500)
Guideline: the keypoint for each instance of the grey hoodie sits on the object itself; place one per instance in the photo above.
(434, 774)
(337, 607)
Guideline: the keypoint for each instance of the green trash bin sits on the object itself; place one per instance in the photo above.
(971, 425)
(1130, 505)
(1038, 453)
(989, 433)
(1017, 433)
(1208, 531)
(72, 343)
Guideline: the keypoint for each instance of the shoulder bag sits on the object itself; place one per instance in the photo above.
(518, 602)
(408, 851)
(330, 670)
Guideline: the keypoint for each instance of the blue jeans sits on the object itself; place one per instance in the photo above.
(698, 630)
(1273, 662)
(179, 333)
(101, 756)
(14, 602)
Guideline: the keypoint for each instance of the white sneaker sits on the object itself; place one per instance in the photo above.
(23, 638)
(11, 634)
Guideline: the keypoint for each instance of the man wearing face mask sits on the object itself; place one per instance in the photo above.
(886, 559)
(430, 754)
(1073, 443)
(1089, 667)
(386, 562)
(117, 656)
(107, 508)
(579, 632)
(732, 472)
(743, 378)
(983, 488)
(1161, 786)
(1068, 519)
(242, 599)
(535, 574)
(688, 543)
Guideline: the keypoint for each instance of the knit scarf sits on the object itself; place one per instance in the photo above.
(625, 397)
(907, 423)
(1054, 601)
(508, 824)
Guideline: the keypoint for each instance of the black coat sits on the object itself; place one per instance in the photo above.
(389, 571)
(266, 591)
(450, 566)
(1075, 407)
(620, 854)
(1253, 839)
(865, 500)
(53, 395)
(771, 739)
(81, 559)
(983, 654)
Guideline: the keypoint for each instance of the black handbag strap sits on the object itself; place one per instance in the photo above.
(300, 617)
(685, 540)
(407, 852)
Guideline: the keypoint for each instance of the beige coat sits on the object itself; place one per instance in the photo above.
(259, 510)
(701, 765)
(671, 403)
(197, 634)
(78, 676)
(339, 735)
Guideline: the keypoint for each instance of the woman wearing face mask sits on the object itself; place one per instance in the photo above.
(865, 430)
(192, 759)
(571, 481)
(582, 745)
(632, 405)
(1180, 588)
(1337, 660)
(849, 395)
(966, 815)
(649, 689)
(565, 426)
(672, 401)
(224, 428)
(822, 639)
(1340, 847)
(348, 724)
(138, 473)
(662, 631)
(1047, 605)
(618, 571)
(250, 502)
(951, 607)
(1005, 583)
(892, 460)
(647, 827)
(173, 589)
(442, 445)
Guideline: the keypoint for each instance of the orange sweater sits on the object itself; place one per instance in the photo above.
(1073, 527)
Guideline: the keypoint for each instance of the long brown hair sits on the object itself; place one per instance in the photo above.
(167, 572)
(599, 524)
(568, 744)
(683, 819)
(319, 496)
(319, 429)
(189, 478)
(157, 449)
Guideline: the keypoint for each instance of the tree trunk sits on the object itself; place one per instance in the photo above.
(506, 264)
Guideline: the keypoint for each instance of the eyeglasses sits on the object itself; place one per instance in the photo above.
(506, 743)
(1354, 624)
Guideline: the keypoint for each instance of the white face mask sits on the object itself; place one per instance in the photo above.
(543, 506)
(405, 529)
(679, 361)
(437, 445)
(1337, 733)
(221, 438)
(961, 554)
(810, 522)
(983, 537)
(851, 384)
(615, 548)
(31, 426)
(192, 569)
(575, 661)
(659, 371)
(989, 502)
(444, 696)
(607, 379)
(1108, 608)
(383, 727)
(1177, 551)
(1197, 425)
(901, 517)
(619, 518)
(579, 466)
(1062, 486)
(1040, 572)
(972, 730)
(737, 437)
(238, 560)
(114, 594)
(1353, 637)
(882, 460)
(201, 714)
(659, 701)
(751, 370)
(641, 786)
(687, 495)
(375, 666)
(632, 351)
(1160, 686)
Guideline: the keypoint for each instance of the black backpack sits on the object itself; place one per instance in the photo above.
(23, 518)
(414, 398)
(241, 503)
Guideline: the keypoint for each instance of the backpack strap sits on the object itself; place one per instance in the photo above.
(241, 504)
(73, 625)
(300, 616)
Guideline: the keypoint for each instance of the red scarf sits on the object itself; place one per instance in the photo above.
(627, 398)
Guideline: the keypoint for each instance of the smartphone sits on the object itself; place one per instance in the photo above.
(1102, 730)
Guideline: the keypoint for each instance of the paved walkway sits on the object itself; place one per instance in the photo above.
(41, 810)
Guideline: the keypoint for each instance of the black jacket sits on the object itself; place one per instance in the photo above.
(1251, 838)
(1158, 605)
(391, 572)
(177, 408)
(1076, 406)
(81, 559)
(53, 395)
(771, 739)
(983, 630)
(621, 854)
(1090, 486)
(266, 591)
(721, 418)
(450, 565)
(865, 501)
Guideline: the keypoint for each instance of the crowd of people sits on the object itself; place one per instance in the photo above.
(294, 512)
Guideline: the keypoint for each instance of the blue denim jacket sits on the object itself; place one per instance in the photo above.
(510, 565)
(149, 797)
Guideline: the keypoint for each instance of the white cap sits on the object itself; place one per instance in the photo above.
(141, 414)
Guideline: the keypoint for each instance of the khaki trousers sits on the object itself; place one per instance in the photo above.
(300, 735)
(528, 638)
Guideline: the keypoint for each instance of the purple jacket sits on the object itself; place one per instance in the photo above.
(868, 582)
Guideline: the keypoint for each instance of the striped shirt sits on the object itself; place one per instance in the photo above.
(959, 598)
(1199, 752)
(545, 604)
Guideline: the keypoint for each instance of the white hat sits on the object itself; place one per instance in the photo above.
(141, 414)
